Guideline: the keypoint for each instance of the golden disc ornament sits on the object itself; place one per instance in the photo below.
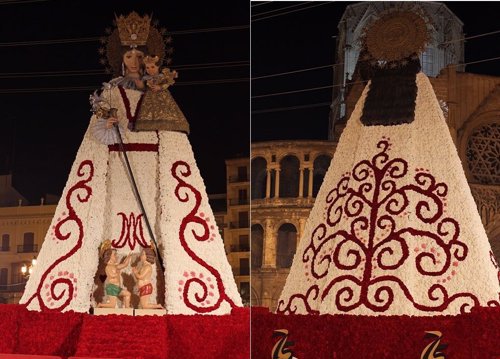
(396, 35)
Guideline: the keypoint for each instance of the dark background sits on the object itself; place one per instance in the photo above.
(42, 130)
(304, 39)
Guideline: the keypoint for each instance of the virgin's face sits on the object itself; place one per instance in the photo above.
(133, 61)
(112, 258)
(143, 256)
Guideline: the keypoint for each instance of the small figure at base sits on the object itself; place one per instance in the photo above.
(143, 276)
(112, 287)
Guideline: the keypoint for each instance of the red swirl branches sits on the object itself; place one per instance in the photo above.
(199, 286)
(374, 216)
(63, 288)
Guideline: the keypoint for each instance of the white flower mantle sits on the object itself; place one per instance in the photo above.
(98, 203)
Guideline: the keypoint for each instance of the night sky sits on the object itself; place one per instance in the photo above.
(42, 130)
(304, 39)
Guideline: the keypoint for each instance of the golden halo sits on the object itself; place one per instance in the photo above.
(396, 35)
(158, 43)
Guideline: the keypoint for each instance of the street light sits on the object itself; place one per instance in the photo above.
(26, 270)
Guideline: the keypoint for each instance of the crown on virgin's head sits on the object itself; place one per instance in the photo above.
(133, 29)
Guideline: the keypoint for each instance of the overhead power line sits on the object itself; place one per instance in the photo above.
(19, 2)
(278, 10)
(292, 72)
(289, 108)
(357, 82)
(263, 3)
(98, 38)
(210, 29)
(470, 37)
(90, 88)
(294, 91)
(96, 72)
(288, 12)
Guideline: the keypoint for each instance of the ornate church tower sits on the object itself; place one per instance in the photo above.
(443, 49)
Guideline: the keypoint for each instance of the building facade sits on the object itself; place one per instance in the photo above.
(286, 176)
(237, 223)
(22, 231)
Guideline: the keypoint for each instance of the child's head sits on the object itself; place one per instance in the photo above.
(152, 65)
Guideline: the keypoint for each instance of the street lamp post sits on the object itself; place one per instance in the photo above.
(27, 269)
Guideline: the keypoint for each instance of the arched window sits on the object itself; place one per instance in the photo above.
(259, 177)
(321, 164)
(5, 243)
(286, 245)
(289, 177)
(483, 154)
(257, 245)
(427, 61)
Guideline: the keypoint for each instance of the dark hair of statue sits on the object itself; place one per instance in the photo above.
(150, 255)
(393, 91)
(107, 255)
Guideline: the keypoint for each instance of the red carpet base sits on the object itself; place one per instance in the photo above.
(470, 336)
(118, 336)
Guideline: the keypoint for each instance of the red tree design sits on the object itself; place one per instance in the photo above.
(374, 215)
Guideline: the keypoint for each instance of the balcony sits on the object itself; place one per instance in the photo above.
(240, 248)
(236, 225)
(5, 249)
(17, 287)
(27, 249)
(236, 179)
(239, 201)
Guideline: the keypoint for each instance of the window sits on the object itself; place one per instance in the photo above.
(286, 246)
(321, 164)
(245, 293)
(244, 243)
(259, 178)
(242, 174)
(244, 266)
(289, 177)
(5, 243)
(427, 61)
(257, 245)
(242, 196)
(28, 245)
(4, 273)
(243, 219)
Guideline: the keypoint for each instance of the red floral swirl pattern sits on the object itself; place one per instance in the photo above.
(181, 170)
(370, 199)
(81, 192)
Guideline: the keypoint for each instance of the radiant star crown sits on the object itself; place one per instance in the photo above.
(133, 29)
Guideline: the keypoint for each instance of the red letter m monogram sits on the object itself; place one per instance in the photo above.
(131, 233)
